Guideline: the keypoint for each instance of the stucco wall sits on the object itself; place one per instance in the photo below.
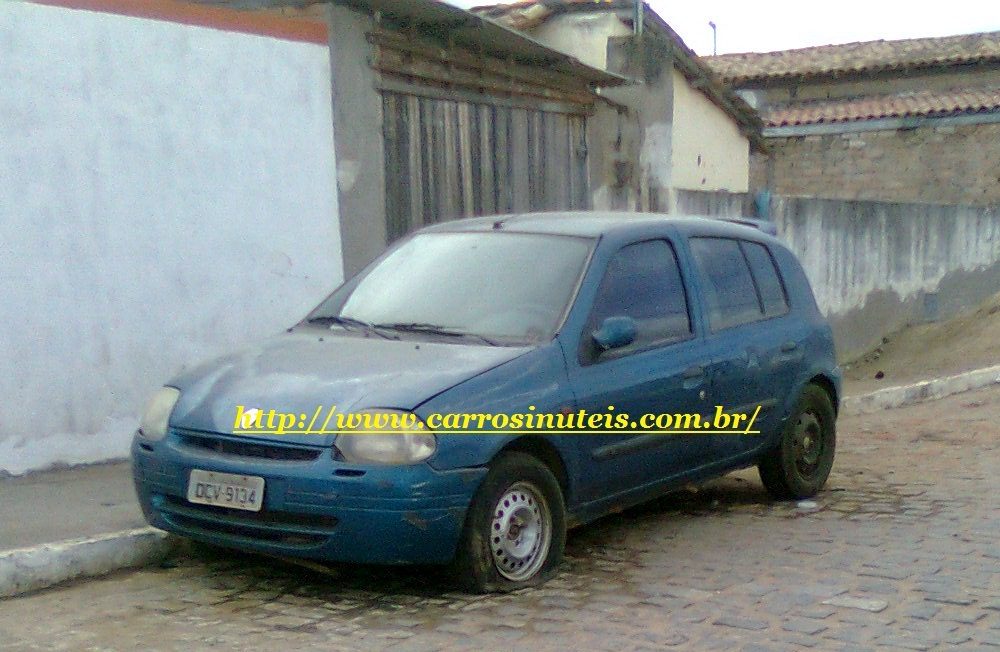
(877, 266)
(167, 194)
(582, 35)
(708, 150)
(873, 263)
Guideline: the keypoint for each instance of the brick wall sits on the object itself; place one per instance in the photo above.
(944, 164)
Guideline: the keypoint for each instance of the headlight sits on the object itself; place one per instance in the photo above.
(154, 421)
(385, 437)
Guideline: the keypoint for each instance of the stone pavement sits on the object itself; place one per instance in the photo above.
(902, 551)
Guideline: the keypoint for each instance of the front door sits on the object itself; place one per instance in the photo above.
(659, 372)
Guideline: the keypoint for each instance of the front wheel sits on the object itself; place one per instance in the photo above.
(800, 464)
(515, 529)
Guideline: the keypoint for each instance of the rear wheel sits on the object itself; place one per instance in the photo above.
(515, 529)
(800, 464)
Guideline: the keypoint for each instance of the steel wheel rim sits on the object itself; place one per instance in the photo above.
(810, 443)
(520, 532)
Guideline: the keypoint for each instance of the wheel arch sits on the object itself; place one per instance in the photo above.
(826, 384)
(546, 453)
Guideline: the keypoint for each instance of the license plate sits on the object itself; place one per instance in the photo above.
(244, 492)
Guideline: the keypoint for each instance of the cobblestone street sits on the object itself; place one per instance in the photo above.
(900, 551)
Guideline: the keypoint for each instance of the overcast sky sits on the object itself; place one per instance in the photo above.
(762, 26)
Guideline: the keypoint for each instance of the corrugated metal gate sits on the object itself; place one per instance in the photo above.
(452, 152)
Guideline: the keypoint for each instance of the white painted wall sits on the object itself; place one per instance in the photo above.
(166, 193)
(708, 150)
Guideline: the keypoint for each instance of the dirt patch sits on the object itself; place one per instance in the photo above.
(970, 340)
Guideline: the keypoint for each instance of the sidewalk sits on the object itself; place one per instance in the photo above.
(67, 504)
(67, 524)
(63, 525)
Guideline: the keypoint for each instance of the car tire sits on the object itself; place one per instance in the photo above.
(800, 464)
(515, 528)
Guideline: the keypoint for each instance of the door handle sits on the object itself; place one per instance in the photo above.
(789, 346)
(693, 372)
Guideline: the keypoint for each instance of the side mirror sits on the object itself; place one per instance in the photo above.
(615, 333)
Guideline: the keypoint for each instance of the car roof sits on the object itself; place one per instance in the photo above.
(593, 224)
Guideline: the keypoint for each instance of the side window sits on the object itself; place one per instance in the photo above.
(765, 273)
(729, 289)
(643, 281)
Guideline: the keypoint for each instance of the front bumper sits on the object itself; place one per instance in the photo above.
(314, 506)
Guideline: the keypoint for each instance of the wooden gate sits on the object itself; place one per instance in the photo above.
(497, 144)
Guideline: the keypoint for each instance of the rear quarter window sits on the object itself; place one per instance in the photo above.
(766, 275)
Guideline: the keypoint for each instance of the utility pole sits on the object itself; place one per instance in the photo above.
(638, 16)
(715, 39)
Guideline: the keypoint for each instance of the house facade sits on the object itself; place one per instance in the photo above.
(694, 134)
(912, 121)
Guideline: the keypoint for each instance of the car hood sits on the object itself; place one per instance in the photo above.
(300, 371)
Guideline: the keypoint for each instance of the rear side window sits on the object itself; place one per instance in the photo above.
(765, 273)
(730, 292)
(643, 281)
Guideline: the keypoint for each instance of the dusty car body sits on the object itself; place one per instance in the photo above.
(562, 312)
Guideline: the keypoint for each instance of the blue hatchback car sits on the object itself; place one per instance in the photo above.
(557, 314)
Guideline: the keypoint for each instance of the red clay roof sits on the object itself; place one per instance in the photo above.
(901, 105)
(527, 14)
(857, 57)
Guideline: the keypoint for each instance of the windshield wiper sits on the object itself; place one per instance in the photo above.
(434, 329)
(349, 323)
(338, 321)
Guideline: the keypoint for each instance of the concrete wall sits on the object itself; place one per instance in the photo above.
(649, 60)
(943, 161)
(357, 117)
(709, 152)
(613, 137)
(877, 266)
(167, 195)
(872, 264)
(582, 35)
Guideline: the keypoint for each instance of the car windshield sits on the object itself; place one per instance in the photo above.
(495, 285)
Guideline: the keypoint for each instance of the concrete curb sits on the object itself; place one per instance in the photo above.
(30, 569)
(927, 390)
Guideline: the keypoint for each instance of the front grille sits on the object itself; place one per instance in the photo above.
(250, 533)
(269, 517)
(286, 528)
(280, 452)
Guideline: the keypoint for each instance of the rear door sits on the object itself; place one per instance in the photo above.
(752, 345)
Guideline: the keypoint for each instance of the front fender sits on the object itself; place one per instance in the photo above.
(533, 383)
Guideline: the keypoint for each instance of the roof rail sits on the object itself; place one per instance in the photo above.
(767, 226)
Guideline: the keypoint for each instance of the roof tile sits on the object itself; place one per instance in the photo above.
(901, 105)
(857, 57)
